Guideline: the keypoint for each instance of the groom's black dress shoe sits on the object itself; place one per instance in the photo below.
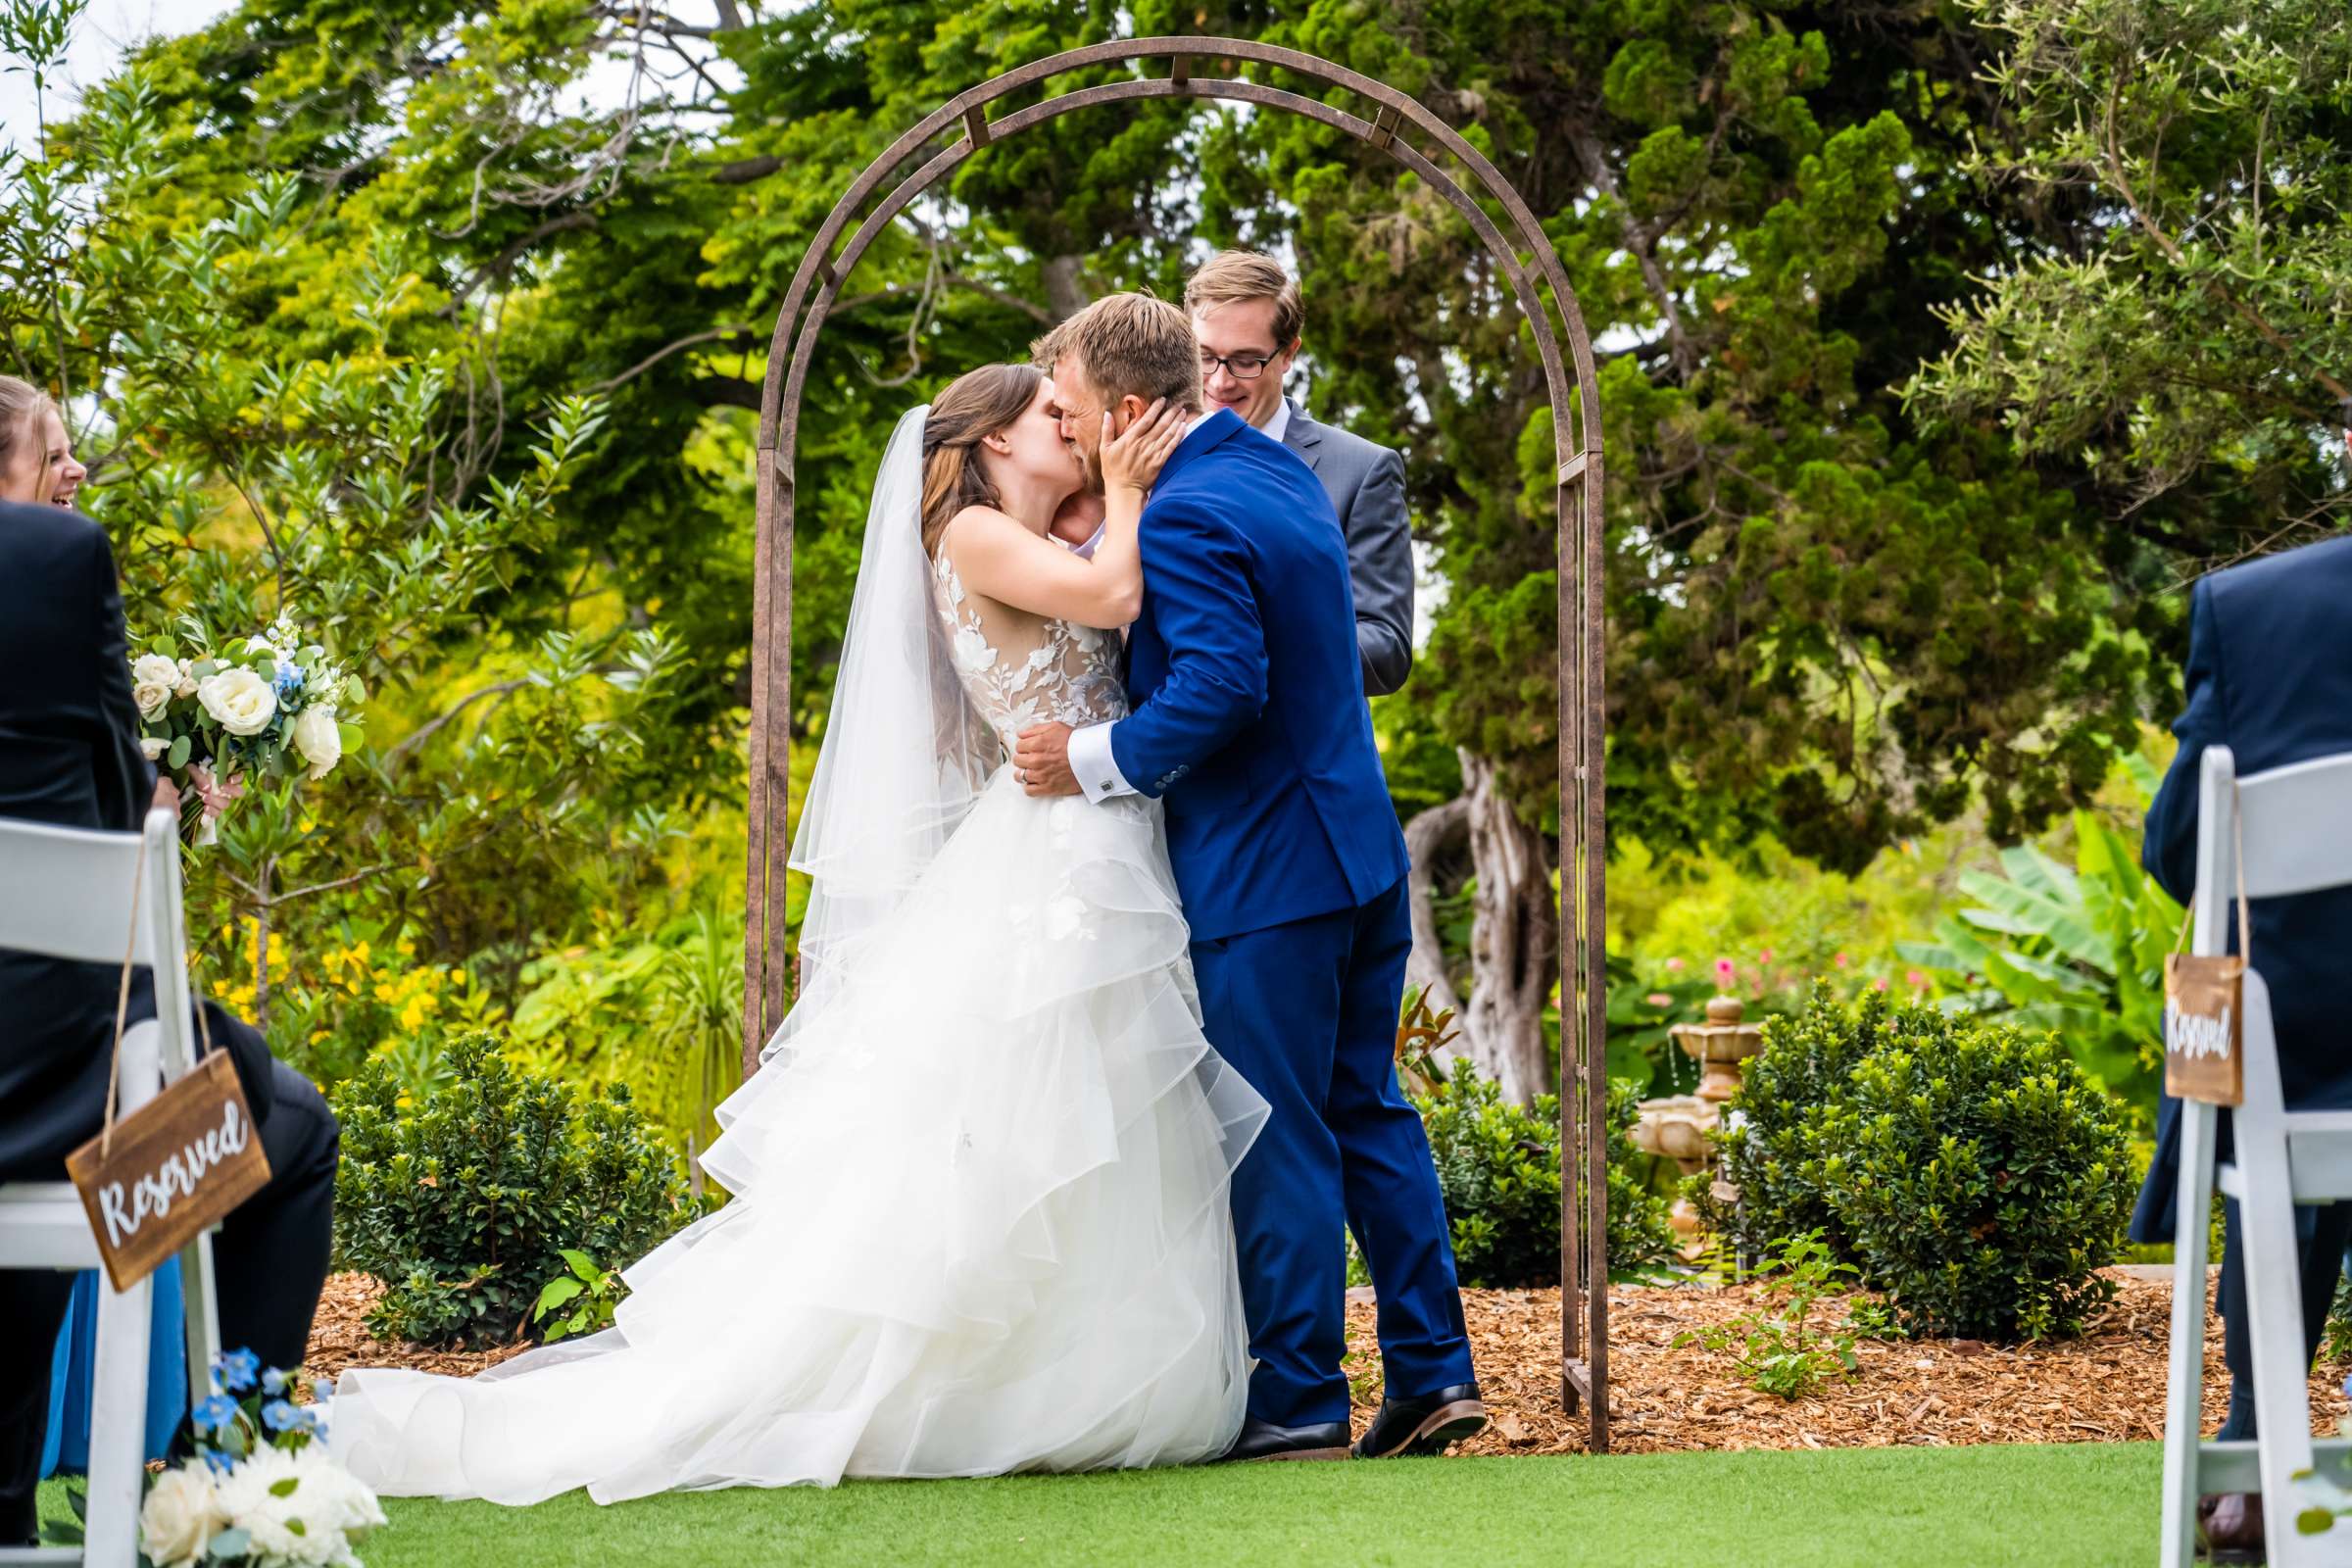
(1427, 1423)
(1263, 1439)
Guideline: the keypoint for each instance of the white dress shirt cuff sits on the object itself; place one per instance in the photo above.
(1097, 770)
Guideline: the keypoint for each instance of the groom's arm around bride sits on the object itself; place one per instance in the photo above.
(1248, 721)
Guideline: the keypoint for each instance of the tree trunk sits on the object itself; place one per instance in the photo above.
(1065, 287)
(1513, 947)
(1426, 838)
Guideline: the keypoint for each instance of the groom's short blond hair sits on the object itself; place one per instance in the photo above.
(1129, 343)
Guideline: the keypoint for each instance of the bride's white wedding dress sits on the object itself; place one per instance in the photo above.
(979, 1220)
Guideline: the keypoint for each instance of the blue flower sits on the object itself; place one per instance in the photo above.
(220, 1462)
(323, 1390)
(274, 1382)
(290, 678)
(280, 1415)
(238, 1368)
(214, 1413)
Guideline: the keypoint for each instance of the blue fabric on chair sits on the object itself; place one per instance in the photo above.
(67, 1448)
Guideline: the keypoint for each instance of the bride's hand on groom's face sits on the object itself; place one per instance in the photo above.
(1133, 457)
(1041, 761)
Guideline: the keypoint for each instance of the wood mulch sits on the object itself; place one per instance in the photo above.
(2106, 1387)
(339, 1337)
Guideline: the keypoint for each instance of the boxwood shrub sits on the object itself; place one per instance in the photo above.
(461, 1202)
(1971, 1171)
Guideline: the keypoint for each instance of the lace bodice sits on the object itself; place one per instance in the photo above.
(1020, 668)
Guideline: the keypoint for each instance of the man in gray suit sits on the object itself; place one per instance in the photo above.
(1245, 312)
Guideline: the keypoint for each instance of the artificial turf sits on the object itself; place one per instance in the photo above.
(2077, 1505)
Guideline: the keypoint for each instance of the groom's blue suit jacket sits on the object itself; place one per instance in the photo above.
(1249, 697)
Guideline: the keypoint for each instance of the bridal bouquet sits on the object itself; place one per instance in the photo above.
(246, 1502)
(268, 709)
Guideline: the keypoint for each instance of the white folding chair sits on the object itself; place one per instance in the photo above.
(67, 892)
(2296, 827)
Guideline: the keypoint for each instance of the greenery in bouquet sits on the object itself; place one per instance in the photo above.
(260, 1489)
(267, 709)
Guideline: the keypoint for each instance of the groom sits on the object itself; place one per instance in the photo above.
(1250, 722)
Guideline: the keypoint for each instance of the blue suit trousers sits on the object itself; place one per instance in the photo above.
(1307, 1012)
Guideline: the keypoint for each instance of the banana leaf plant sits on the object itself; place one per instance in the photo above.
(2076, 951)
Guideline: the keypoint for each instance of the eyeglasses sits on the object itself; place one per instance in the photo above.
(1241, 366)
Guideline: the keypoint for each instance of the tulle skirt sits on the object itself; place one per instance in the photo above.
(979, 1221)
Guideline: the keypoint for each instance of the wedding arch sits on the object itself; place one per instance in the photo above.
(962, 129)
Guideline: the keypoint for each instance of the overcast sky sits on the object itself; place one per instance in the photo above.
(105, 32)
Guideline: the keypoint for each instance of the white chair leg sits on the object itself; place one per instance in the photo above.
(119, 1424)
(2275, 1332)
(2184, 1382)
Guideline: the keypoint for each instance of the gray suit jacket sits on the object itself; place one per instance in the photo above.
(1366, 485)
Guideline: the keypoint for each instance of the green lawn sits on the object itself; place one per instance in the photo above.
(2077, 1505)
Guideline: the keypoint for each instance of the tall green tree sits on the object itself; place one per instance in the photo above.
(1826, 624)
(2192, 336)
(1836, 616)
(283, 420)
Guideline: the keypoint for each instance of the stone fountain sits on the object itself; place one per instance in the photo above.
(1721, 1047)
(1676, 1127)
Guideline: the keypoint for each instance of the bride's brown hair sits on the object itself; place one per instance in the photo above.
(975, 405)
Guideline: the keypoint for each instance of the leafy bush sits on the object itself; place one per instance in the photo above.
(591, 1291)
(1971, 1172)
(463, 1205)
(1767, 1139)
(1499, 1166)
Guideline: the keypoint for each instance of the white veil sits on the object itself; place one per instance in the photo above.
(904, 753)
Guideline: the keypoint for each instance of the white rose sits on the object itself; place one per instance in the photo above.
(240, 700)
(317, 739)
(186, 684)
(181, 1515)
(153, 747)
(153, 678)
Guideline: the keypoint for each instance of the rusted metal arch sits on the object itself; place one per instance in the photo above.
(1584, 1269)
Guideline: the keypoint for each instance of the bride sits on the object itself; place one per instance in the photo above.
(979, 1220)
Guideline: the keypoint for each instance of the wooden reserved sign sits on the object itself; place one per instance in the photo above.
(173, 1168)
(2204, 1027)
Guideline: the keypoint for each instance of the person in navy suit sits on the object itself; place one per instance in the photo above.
(2269, 676)
(1248, 722)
